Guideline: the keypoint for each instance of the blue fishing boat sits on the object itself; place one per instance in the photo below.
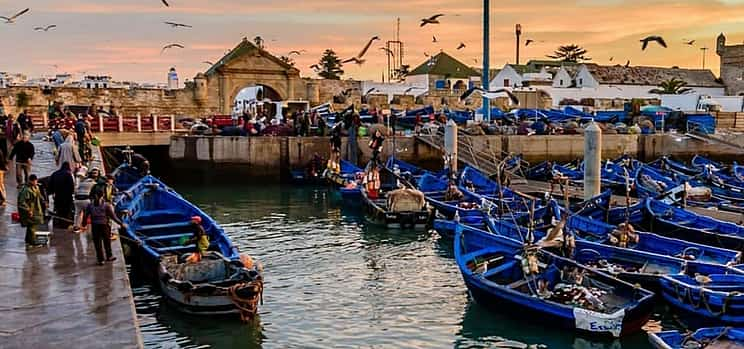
(700, 162)
(596, 231)
(665, 163)
(644, 268)
(347, 180)
(125, 176)
(686, 225)
(448, 201)
(537, 285)
(738, 172)
(712, 300)
(159, 224)
(649, 183)
(709, 337)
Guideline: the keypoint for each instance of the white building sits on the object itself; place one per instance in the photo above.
(508, 76)
(172, 79)
(8, 79)
(96, 81)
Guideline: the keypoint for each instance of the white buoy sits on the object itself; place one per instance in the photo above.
(592, 160)
(450, 145)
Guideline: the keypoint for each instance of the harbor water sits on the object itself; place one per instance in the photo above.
(333, 281)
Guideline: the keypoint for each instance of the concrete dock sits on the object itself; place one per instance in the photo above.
(57, 296)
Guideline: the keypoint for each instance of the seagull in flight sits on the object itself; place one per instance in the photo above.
(165, 3)
(170, 46)
(611, 58)
(296, 52)
(208, 62)
(691, 42)
(528, 42)
(434, 39)
(176, 25)
(431, 20)
(648, 39)
(627, 64)
(315, 67)
(388, 51)
(490, 94)
(366, 47)
(354, 60)
(461, 46)
(12, 19)
(46, 29)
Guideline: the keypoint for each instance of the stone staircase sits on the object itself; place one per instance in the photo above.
(485, 160)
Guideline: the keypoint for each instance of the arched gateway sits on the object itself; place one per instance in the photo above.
(248, 66)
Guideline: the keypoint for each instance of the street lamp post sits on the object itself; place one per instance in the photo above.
(486, 56)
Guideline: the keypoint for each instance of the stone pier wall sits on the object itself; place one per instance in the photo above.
(273, 157)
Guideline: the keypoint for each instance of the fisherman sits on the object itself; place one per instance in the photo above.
(62, 186)
(453, 193)
(101, 213)
(23, 152)
(30, 210)
(624, 235)
(375, 143)
(336, 139)
(200, 239)
(82, 197)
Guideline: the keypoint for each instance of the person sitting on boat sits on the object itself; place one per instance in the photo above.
(453, 193)
(200, 239)
(372, 181)
(623, 235)
(470, 186)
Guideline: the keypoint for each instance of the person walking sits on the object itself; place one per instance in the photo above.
(82, 197)
(62, 186)
(23, 152)
(3, 169)
(29, 208)
(68, 153)
(100, 214)
(26, 122)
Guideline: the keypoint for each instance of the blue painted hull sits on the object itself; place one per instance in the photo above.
(718, 302)
(704, 337)
(488, 286)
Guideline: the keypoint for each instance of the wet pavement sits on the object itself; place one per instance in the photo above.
(57, 296)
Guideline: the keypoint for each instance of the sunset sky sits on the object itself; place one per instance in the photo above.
(124, 38)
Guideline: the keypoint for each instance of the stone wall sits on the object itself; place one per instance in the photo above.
(273, 157)
(128, 102)
(732, 67)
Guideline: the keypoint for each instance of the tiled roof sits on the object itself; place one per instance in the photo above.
(652, 76)
(446, 65)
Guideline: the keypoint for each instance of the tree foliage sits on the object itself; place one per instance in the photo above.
(570, 53)
(672, 86)
(22, 100)
(330, 66)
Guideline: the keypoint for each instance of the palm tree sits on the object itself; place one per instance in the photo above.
(672, 86)
(570, 53)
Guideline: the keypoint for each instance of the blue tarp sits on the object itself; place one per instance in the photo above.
(611, 115)
(705, 123)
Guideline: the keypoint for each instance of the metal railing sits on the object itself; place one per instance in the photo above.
(132, 124)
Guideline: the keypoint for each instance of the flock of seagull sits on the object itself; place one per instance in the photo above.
(359, 58)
